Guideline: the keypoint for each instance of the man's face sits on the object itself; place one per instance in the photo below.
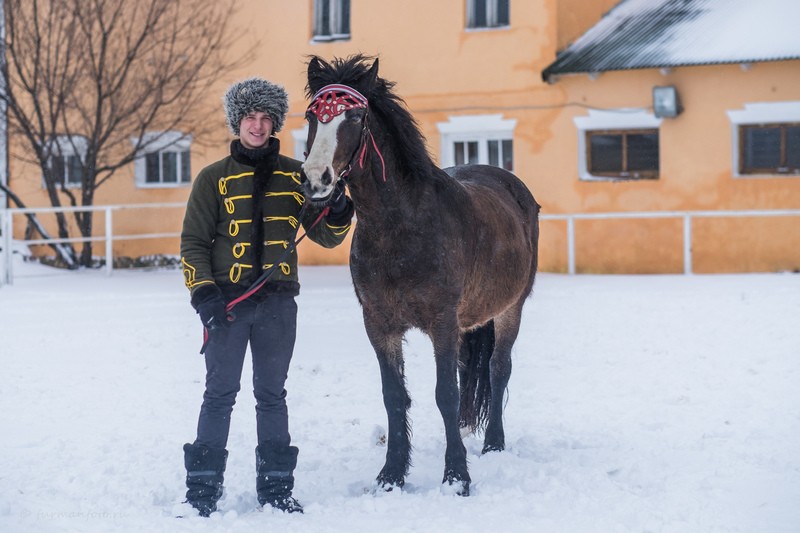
(255, 129)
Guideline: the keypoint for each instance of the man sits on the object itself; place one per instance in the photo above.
(241, 220)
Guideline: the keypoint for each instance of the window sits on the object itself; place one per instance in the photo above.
(487, 13)
(621, 144)
(465, 153)
(67, 170)
(66, 160)
(769, 149)
(766, 139)
(483, 139)
(167, 166)
(331, 20)
(300, 136)
(165, 160)
(499, 153)
(628, 154)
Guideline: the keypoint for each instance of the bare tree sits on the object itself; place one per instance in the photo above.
(103, 81)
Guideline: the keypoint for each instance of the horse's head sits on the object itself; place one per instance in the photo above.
(337, 128)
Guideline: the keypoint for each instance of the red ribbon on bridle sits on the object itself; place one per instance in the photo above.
(335, 99)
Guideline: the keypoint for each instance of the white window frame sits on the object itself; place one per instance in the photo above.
(335, 21)
(618, 119)
(160, 142)
(492, 15)
(67, 146)
(760, 113)
(473, 128)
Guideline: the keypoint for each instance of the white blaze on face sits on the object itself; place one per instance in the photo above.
(320, 158)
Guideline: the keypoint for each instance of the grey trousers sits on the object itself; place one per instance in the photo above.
(270, 328)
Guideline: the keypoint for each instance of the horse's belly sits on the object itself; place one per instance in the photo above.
(404, 295)
(492, 288)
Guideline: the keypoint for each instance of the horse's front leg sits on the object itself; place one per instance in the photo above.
(446, 348)
(388, 348)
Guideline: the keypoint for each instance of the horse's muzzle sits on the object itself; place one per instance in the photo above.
(312, 194)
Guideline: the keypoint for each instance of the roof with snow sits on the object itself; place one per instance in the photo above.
(674, 33)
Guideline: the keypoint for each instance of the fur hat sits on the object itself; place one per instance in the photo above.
(255, 94)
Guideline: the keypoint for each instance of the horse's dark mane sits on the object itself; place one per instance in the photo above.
(399, 126)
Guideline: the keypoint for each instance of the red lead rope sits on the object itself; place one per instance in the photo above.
(377, 151)
(264, 277)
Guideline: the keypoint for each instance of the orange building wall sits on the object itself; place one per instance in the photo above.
(696, 170)
(443, 70)
(577, 16)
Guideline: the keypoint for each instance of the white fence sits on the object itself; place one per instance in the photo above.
(687, 217)
(7, 227)
(109, 237)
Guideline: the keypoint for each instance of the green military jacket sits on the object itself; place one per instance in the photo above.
(215, 245)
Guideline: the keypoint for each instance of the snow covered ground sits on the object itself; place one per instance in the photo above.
(637, 404)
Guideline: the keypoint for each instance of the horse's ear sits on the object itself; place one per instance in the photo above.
(372, 75)
(314, 70)
(313, 65)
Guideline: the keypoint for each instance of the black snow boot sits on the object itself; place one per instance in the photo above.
(204, 470)
(274, 479)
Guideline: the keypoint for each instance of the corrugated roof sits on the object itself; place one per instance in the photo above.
(674, 33)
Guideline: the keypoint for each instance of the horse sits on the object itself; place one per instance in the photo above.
(450, 252)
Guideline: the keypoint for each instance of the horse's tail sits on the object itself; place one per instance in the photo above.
(476, 391)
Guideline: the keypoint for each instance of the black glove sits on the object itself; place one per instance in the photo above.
(209, 304)
(341, 207)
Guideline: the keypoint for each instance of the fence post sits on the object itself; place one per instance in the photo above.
(687, 244)
(570, 245)
(109, 242)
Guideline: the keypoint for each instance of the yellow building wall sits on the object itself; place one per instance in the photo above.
(121, 190)
(443, 70)
(440, 69)
(696, 151)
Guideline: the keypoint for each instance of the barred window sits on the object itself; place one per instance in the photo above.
(624, 154)
(769, 149)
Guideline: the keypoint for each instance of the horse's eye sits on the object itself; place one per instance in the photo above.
(357, 118)
(309, 116)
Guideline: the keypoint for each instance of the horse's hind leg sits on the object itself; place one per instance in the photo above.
(388, 348)
(445, 346)
(506, 331)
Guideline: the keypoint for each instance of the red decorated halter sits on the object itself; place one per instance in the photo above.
(333, 100)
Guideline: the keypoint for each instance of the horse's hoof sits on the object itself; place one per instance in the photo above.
(456, 483)
(459, 487)
(388, 483)
(493, 448)
(388, 487)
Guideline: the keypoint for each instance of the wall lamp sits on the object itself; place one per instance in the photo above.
(666, 103)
